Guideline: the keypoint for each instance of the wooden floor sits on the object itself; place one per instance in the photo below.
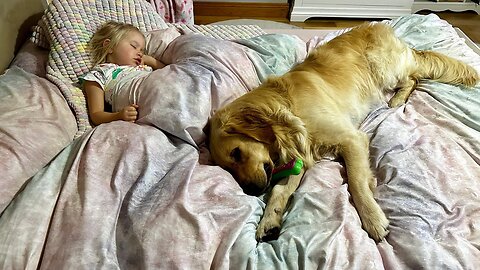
(468, 22)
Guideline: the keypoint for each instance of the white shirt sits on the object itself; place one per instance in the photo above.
(112, 77)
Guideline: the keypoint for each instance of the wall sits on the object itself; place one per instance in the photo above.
(15, 18)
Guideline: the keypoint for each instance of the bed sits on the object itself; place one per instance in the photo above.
(145, 195)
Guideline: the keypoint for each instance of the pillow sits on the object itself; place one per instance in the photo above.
(158, 40)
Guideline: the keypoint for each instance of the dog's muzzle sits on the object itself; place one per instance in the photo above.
(256, 190)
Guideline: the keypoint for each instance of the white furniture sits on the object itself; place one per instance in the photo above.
(304, 9)
(441, 6)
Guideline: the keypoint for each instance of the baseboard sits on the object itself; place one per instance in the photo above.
(241, 10)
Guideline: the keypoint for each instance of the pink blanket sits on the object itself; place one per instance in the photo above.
(174, 11)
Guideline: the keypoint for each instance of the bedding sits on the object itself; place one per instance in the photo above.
(25, 112)
(145, 195)
(31, 59)
(174, 11)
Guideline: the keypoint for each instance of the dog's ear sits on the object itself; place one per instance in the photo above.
(251, 122)
(279, 127)
(291, 137)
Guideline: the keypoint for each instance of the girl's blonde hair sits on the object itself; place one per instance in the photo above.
(114, 31)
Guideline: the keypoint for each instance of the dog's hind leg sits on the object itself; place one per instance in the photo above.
(434, 66)
(271, 222)
(353, 147)
(442, 68)
(404, 89)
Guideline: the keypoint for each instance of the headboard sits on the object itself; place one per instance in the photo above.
(16, 19)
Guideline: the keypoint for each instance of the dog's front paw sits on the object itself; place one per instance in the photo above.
(376, 224)
(268, 229)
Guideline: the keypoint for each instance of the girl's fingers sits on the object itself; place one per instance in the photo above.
(130, 113)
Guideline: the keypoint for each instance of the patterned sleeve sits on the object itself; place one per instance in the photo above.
(97, 74)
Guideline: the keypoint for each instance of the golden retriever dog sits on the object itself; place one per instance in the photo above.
(315, 109)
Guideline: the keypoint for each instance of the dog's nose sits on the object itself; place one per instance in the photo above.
(252, 190)
(268, 169)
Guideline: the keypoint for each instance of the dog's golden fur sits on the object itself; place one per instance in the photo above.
(316, 108)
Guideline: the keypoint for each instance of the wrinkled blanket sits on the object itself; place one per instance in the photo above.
(145, 196)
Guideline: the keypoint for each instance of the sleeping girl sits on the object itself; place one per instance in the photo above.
(119, 62)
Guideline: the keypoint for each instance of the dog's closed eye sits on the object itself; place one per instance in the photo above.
(236, 154)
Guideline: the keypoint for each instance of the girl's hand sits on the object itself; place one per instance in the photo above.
(129, 113)
(152, 62)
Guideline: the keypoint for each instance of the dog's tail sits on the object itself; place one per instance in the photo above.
(442, 68)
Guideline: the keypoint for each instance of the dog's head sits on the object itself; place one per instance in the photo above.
(249, 140)
(248, 160)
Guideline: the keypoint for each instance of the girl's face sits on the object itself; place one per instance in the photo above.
(129, 51)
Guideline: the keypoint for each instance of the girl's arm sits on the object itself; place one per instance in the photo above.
(153, 62)
(96, 110)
